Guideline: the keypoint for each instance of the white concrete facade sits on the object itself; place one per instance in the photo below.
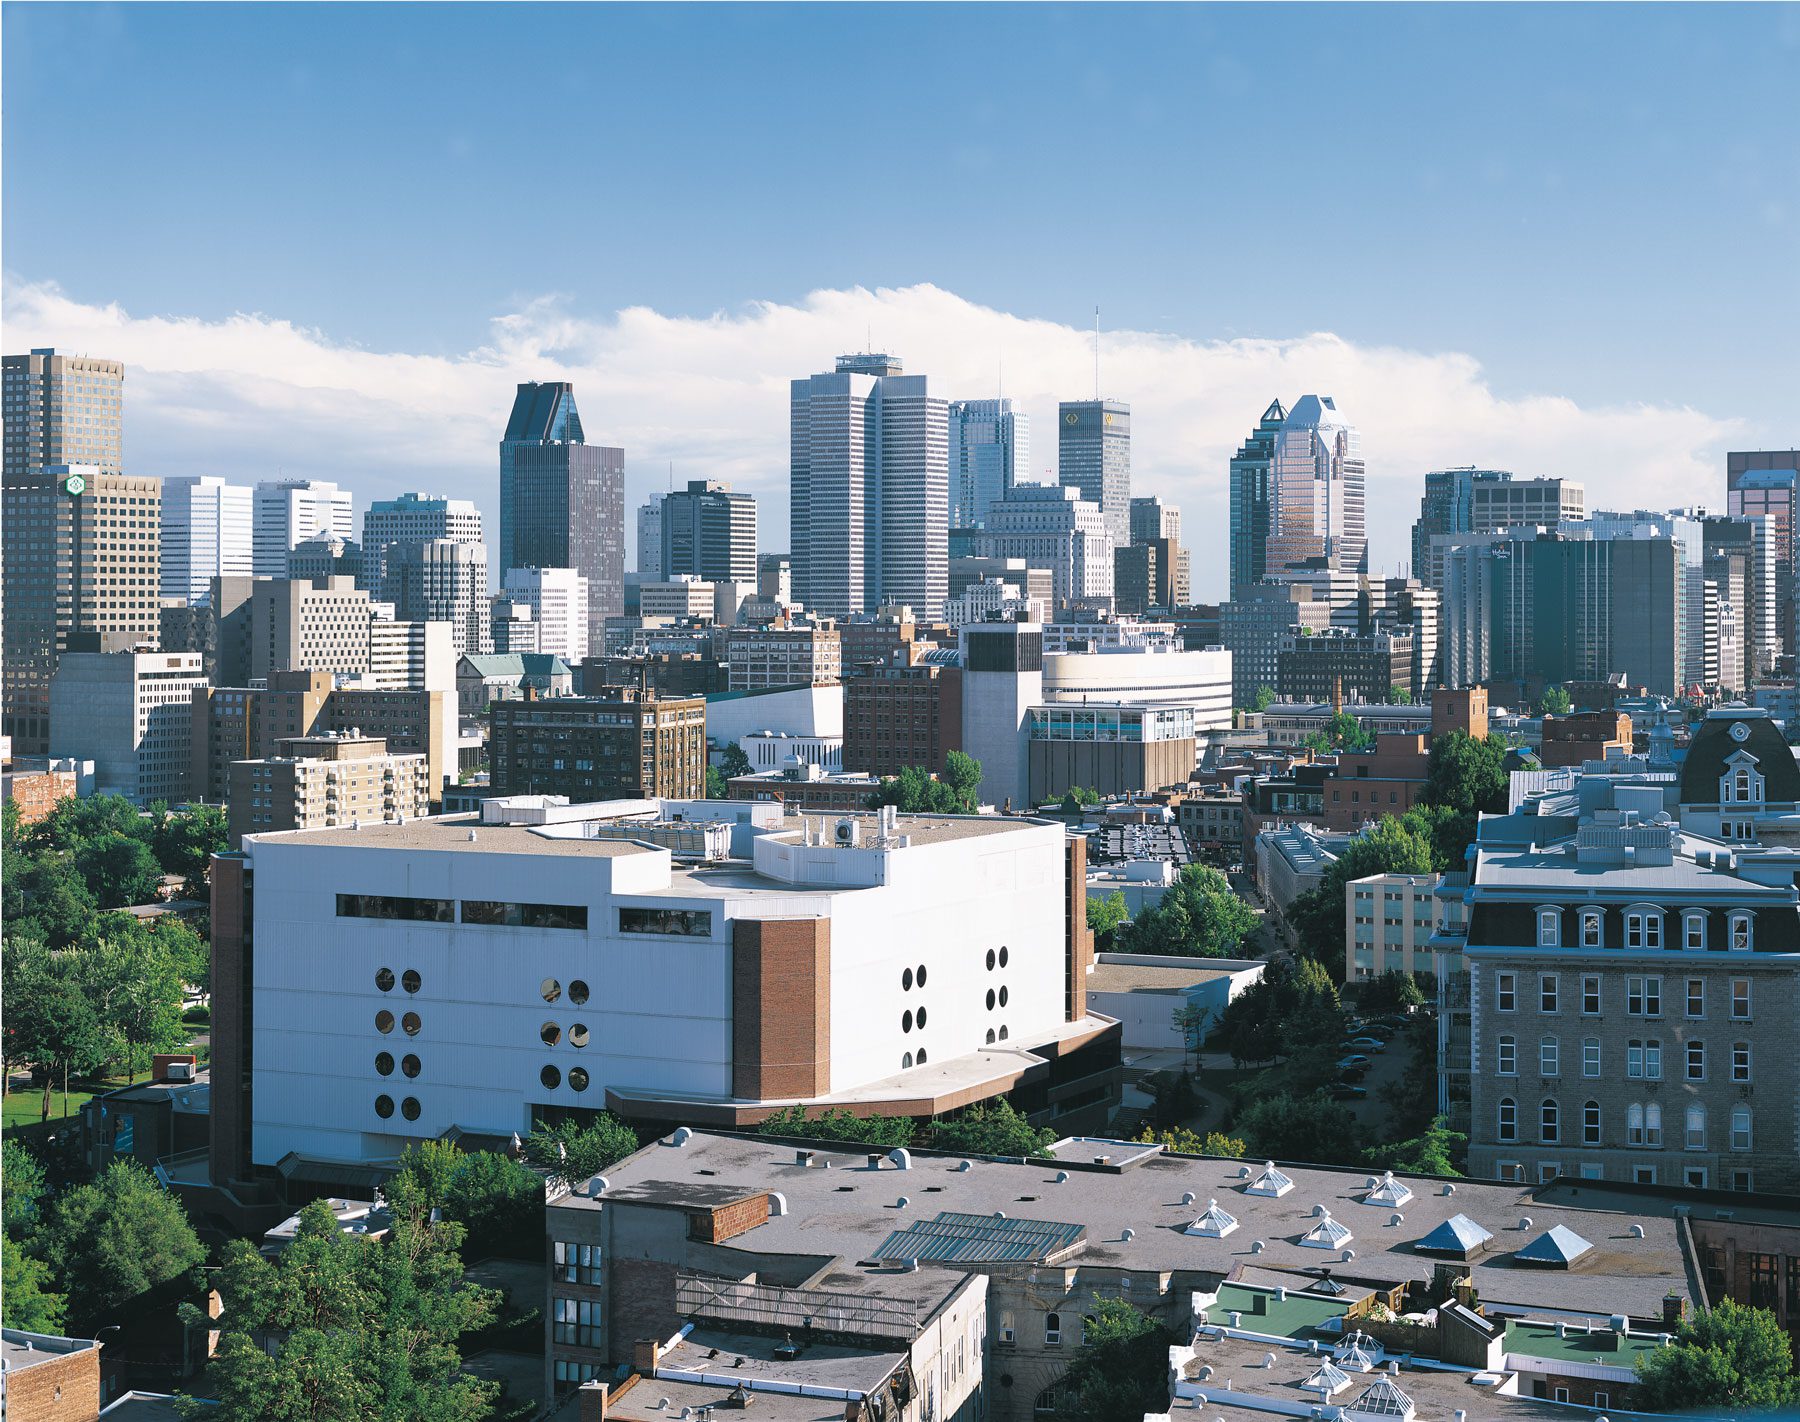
(131, 714)
(1150, 675)
(288, 511)
(1051, 526)
(558, 599)
(206, 534)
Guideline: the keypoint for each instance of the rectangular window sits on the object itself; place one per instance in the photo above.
(684, 923)
(1590, 1057)
(1696, 1061)
(1590, 930)
(1695, 932)
(1547, 987)
(396, 907)
(1549, 928)
(1506, 1057)
(1696, 997)
(1740, 1061)
(1505, 992)
(1547, 1057)
(495, 914)
(577, 1263)
(1740, 999)
(1652, 1060)
(1590, 994)
(577, 1321)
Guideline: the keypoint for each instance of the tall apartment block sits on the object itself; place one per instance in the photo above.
(288, 511)
(708, 532)
(1485, 501)
(621, 746)
(412, 518)
(206, 525)
(558, 599)
(990, 447)
(649, 540)
(128, 712)
(322, 781)
(869, 485)
(442, 580)
(1317, 483)
(1767, 481)
(1093, 455)
(1051, 526)
(562, 500)
(82, 570)
(62, 410)
(1253, 500)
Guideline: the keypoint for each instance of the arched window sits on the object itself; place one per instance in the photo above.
(1652, 1124)
(1739, 936)
(1548, 1054)
(1053, 1328)
(1549, 1124)
(1695, 1138)
(1591, 928)
(1549, 928)
(1508, 1124)
(1740, 1128)
(1634, 1124)
(1590, 1123)
(1506, 1055)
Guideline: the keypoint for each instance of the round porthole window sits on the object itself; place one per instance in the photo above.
(551, 1033)
(1004, 955)
(906, 1020)
(551, 989)
(384, 1021)
(990, 999)
(384, 1106)
(921, 1019)
(384, 979)
(409, 1108)
(551, 1077)
(578, 1079)
(578, 992)
(990, 960)
(410, 980)
(384, 1063)
(921, 975)
(411, 1023)
(906, 980)
(578, 1034)
(410, 1065)
(1003, 995)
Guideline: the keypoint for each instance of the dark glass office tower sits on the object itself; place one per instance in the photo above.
(562, 500)
(1252, 502)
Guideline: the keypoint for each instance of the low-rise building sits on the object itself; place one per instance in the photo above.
(1389, 920)
(129, 713)
(1291, 860)
(1213, 819)
(771, 750)
(37, 784)
(318, 782)
(1167, 1003)
(164, 1116)
(1583, 736)
(1112, 748)
(899, 712)
(504, 676)
(624, 745)
(802, 785)
(762, 657)
(665, 673)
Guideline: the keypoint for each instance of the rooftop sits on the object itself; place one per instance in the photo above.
(19, 1349)
(1115, 976)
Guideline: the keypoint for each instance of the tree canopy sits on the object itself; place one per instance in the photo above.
(1265, 698)
(1289, 1127)
(840, 1125)
(1119, 1372)
(991, 1128)
(1727, 1356)
(1555, 702)
(916, 791)
(1186, 1142)
(1434, 1152)
(573, 1153)
(1200, 916)
(1105, 917)
(1465, 773)
(1078, 797)
(116, 1239)
(498, 1200)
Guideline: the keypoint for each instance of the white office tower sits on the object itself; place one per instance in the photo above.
(558, 599)
(990, 446)
(288, 511)
(442, 581)
(206, 527)
(1052, 526)
(412, 518)
(869, 504)
(1002, 679)
(649, 536)
(1318, 489)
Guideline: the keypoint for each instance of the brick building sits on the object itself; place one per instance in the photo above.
(624, 745)
(899, 712)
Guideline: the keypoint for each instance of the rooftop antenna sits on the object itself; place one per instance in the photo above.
(1096, 353)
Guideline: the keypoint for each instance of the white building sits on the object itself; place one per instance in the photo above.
(649, 540)
(290, 510)
(681, 596)
(131, 714)
(992, 598)
(1155, 674)
(206, 527)
(1388, 922)
(558, 599)
(787, 711)
(477, 973)
(771, 750)
(410, 656)
(442, 580)
(1110, 632)
(1052, 526)
(1003, 678)
(412, 518)
(990, 447)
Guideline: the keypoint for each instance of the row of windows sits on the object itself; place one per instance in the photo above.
(1644, 929)
(490, 913)
(1643, 995)
(1643, 1124)
(1643, 1058)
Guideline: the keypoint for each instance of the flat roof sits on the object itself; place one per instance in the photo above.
(641, 1398)
(849, 1209)
(731, 1357)
(19, 1349)
(1138, 977)
(450, 833)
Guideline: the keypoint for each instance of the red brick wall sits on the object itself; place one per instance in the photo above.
(728, 1221)
(781, 1007)
(640, 1303)
(36, 795)
(64, 1389)
(1078, 938)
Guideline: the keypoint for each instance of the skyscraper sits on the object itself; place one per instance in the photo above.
(1051, 526)
(1163, 563)
(63, 410)
(709, 532)
(1484, 501)
(1767, 481)
(1093, 455)
(205, 534)
(289, 510)
(649, 540)
(1317, 483)
(1253, 500)
(412, 518)
(82, 570)
(870, 489)
(562, 500)
(990, 445)
(442, 580)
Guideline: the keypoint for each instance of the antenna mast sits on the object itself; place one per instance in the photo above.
(1096, 353)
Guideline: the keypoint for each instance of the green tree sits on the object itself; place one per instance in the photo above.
(1105, 917)
(1466, 774)
(571, 1153)
(1077, 798)
(1118, 1373)
(23, 1188)
(734, 761)
(52, 896)
(500, 1201)
(716, 788)
(916, 791)
(1555, 702)
(1399, 695)
(839, 1125)
(1306, 1128)
(28, 1302)
(1449, 833)
(1186, 1142)
(1265, 698)
(120, 870)
(991, 1128)
(1393, 991)
(77, 820)
(185, 840)
(187, 952)
(51, 1022)
(1316, 918)
(135, 986)
(1727, 1356)
(117, 1238)
(1344, 732)
(1199, 916)
(1435, 1152)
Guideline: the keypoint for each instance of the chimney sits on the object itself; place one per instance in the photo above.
(1673, 1307)
(646, 1353)
(591, 1400)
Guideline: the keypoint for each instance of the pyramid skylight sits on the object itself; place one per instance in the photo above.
(1389, 1191)
(1457, 1235)
(1214, 1224)
(1380, 1399)
(1327, 1380)
(1357, 1353)
(1326, 1233)
(1271, 1182)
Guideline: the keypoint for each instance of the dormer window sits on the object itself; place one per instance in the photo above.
(1740, 934)
(1742, 783)
(1643, 928)
(1549, 928)
(1693, 932)
(1590, 928)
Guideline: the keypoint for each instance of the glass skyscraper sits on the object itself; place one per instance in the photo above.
(1252, 500)
(1093, 455)
(1317, 482)
(990, 447)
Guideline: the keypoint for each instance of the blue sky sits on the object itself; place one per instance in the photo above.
(1598, 204)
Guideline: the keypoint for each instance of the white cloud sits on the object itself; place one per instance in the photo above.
(252, 395)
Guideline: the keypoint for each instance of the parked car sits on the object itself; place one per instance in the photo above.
(1367, 1044)
(1349, 1074)
(1343, 1091)
(1353, 1062)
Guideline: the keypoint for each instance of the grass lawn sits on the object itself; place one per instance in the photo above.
(22, 1108)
